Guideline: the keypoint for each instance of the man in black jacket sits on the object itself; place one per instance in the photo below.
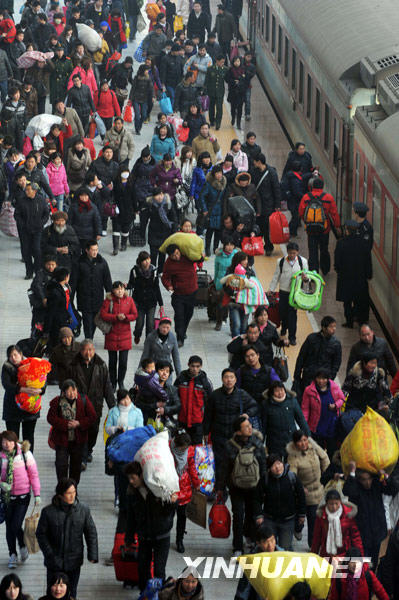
(300, 154)
(37, 291)
(186, 94)
(171, 71)
(198, 23)
(244, 438)
(212, 47)
(239, 344)
(42, 32)
(93, 278)
(31, 215)
(251, 149)
(370, 342)
(79, 98)
(265, 179)
(223, 406)
(320, 349)
(61, 240)
(90, 373)
(105, 168)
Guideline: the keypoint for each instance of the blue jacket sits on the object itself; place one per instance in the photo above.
(135, 418)
(211, 200)
(222, 263)
(197, 183)
(160, 147)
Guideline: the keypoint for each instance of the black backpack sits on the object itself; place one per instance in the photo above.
(281, 263)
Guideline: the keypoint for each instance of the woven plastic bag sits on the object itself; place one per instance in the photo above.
(190, 245)
(7, 222)
(158, 466)
(372, 444)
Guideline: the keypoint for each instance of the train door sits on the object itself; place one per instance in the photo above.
(251, 23)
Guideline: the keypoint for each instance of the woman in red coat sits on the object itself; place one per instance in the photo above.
(119, 310)
(70, 416)
(335, 528)
(183, 453)
(106, 104)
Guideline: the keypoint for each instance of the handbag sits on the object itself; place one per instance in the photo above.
(234, 51)
(128, 114)
(30, 538)
(255, 421)
(204, 102)
(141, 24)
(253, 246)
(104, 326)
(109, 209)
(280, 364)
(183, 133)
(161, 315)
(181, 198)
(121, 94)
(138, 55)
(92, 129)
(165, 104)
(196, 509)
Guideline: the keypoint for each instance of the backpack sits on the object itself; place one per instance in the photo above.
(314, 216)
(245, 473)
(281, 263)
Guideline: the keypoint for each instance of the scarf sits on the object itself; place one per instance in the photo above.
(334, 535)
(147, 274)
(68, 412)
(352, 588)
(180, 458)
(84, 206)
(237, 72)
(9, 474)
(162, 212)
(79, 153)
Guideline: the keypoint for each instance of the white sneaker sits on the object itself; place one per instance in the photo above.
(103, 233)
(13, 562)
(24, 554)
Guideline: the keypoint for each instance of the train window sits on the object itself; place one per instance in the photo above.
(267, 23)
(273, 34)
(357, 176)
(286, 57)
(293, 69)
(336, 143)
(263, 19)
(388, 230)
(326, 127)
(309, 98)
(376, 213)
(317, 122)
(365, 177)
(301, 82)
(280, 45)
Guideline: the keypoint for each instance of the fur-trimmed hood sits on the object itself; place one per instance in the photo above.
(289, 394)
(357, 371)
(25, 446)
(238, 177)
(349, 509)
(294, 452)
(217, 185)
(166, 197)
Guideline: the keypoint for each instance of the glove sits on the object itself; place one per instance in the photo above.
(5, 487)
(38, 501)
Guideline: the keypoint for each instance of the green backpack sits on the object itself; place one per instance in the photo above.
(245, 474)
(303, 299)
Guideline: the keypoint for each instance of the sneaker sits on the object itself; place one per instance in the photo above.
(218, 326)
(103, 233)
(24, 554)
(13, 561)
(298, 535)
(146, 121)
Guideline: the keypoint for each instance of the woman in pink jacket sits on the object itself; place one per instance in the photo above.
(87, 74)
(240, 159)
(58, 180)
(321, 402)
(18, 476)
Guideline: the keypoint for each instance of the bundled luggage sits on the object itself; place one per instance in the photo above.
(204, 281)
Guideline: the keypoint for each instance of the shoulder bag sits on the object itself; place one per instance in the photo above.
(104, 326)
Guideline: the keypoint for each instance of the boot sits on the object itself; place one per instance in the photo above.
(115, 244)
(180, 546)
(238, 126)
(124, 242)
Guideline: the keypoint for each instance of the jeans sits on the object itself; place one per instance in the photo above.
(180, 521)
(140, 114)
(68, 461)
(60, 201)
(241, 505)
(248, 101)
(3, 90)
(133, 26)
(161, 553)
(84, 119)
(15, 514)
(122, 367)
(263, 224)
(208, 238)
(183, 305)
(316, 242)
(147, 315)
(88, 324)
(30, 248)
(283, 531)
(28, 430)
(238, 321)
(293, 206)
(215, 103)
(73, 577)
(171, 93)
(157, 255)
(288, 315)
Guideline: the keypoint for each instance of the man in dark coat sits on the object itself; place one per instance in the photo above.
(79, 98)
(389, 575)
(352, 262)
(61, 67)
(239, 344)
(186, 94)
(369, 342)
(223, 406)
(62, 356)
(37, 291)
(57, 313)
(265, 179)
(61, 240)
(251, 149)
(365, 229)
(215, 88)
(171, 71)
(42, 32)
(198, 23)
(105, 167)
(212, 47)
(35, 175)
(320, 349)
(90, 373)
(226, 29)
(93, 278)
(62, 526)
(300, 154)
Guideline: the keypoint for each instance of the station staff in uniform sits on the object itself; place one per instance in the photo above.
(365, 229)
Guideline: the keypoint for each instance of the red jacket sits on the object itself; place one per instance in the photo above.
(311, 404)
(330, 208)
(395, 384)
(7, 26)
(106, 104)
(120, 336)
(86, 415)
(350, 533)
(180, 275)
(188, 479)
(116, 23)
(338, 587)
(193, 392)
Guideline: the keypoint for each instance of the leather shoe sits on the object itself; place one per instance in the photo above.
(180, 546)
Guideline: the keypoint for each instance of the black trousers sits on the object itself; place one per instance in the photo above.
(293, 207)
(108, 122)
(316, 243)
(117, 372)
(288, 315)
(358, 306)
(68, 461)
(219, 450)
(28, 430)
(73, 577)
(195, 432)
(30, 250)
(92, 438)
(144, 315)
(215, 105)
(181, 522)
(88, 324)
(160, 548)
(236, 110)
(157, 255)
(263, 224)
(183, 305)
(208, 238)
(15, 514)
(241, 505)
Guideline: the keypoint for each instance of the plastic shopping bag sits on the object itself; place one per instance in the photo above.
(100, 125)
(205, 465)
(128, 113)
(165, 104)
(32, 372)
(253, 246)
(279, 231)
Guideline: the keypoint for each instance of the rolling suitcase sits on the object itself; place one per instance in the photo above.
(135, 237)
(125, 561)
(202, 295)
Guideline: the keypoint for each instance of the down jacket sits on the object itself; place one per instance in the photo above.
(25, 474)
(147, 515)
(223, 408)
(57, 179)
(121, 143)
(193, 393)
(140, 177)
(76, 168)
(107, 104)
(279, 422)
(230, 456)
(318, 351)
(211, 200)
(188, 479)
(160, 351)
(311, 404)
(350, 532)
(120, 336)
(197, 183)
(99, 387)
(85, 414)
(60, 533)
(93, 278)
(165, 179)
(309, 465)
(87, 224)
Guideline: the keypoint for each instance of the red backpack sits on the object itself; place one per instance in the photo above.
(219, 520)
(279, 231)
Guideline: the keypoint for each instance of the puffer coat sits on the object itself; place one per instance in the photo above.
(120, 336)
(309, 465)
(211, 200)
(140, 177)
(350, 532)
(165, 179)
(188, 479)
(76, 168)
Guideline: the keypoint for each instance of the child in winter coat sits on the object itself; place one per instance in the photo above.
(147, 381)
(183, 454)
(14, 161)
(57, 179)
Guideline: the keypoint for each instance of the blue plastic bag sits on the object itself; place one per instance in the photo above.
(165, 104)
(138, 55)
(151, 589)
(100, 125)
(123, 448)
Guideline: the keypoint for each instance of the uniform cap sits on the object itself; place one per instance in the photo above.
(360, 208)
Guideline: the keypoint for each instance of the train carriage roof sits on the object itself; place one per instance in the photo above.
(340, 33)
